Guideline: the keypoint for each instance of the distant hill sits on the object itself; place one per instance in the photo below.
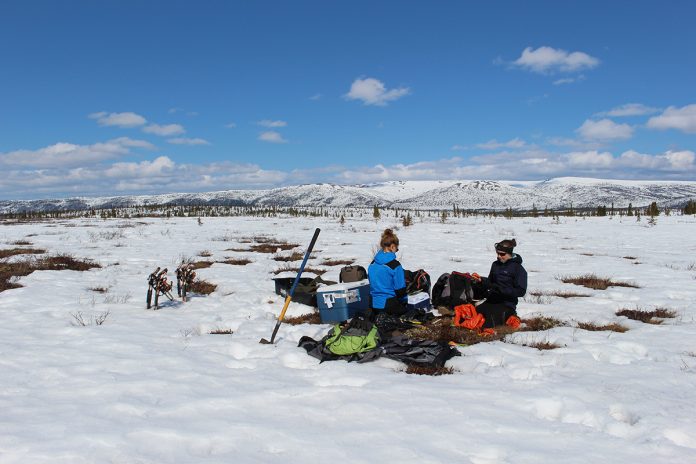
(466, 194)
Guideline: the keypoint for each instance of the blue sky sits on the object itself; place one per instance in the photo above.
(122, 97)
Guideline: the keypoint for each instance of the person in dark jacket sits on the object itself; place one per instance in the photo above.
(506, 282)
(387, 282)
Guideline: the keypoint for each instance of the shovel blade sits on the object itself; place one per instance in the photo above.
(263, 341)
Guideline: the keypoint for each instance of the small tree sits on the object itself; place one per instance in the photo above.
(653, 210)
(630, 210)
(443, 216)
(535, 211)
(375, 213)
(342, 220)
(407, 220)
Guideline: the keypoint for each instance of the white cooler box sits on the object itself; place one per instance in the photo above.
(420, 300)
(341, 302)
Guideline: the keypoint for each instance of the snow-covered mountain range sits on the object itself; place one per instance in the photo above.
(466, 194)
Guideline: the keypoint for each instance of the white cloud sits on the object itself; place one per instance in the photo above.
(683, 119)
(680, 159)
(459, 148)
(269, 123)
(373, 92)
(187, 141)
(589, 159)
(548, 60)
(231, 125)
(271, 137)
(162, 174)
(495, 145)
(629, 109)
(128, 142)
(569, 80)
(164, 130)
(605, 130)
(127, 119)
(174, 110)
(315, 97)
(65, 155)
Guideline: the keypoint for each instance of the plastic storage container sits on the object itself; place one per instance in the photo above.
(282, 287)
(420, 300)
(341, 302)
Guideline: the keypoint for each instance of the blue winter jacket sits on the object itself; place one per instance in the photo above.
(507, 281)
(386, 279)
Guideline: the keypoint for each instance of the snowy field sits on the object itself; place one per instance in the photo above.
(156, 387)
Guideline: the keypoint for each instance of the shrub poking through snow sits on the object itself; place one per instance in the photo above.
(649, 317)
(337, 262)
(558, 293)
(205, 254)
(273, 246)
(80, 320)
(592, 327)
(99, 289)
(540, 323)
(201, 264)
(221, 331)
(10, 271)
(237, 261)
(311, 318)
(21, 243)
(427, 370)
(442, 330)
(595, 282)
(313, 270)
(203, 287)
(295, 256)
(20, 251)
(540, 345)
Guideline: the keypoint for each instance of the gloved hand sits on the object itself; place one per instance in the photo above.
(494, 289)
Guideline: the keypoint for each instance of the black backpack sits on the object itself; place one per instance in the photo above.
(352, 274)
(455, 289)
(417, 281)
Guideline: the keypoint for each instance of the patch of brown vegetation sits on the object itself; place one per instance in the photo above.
(272, 247)
(295, 256)
(315, 271)
(9, 271)
(558, 293)
(629, 257)
(220, 331)
(649, 317)
(205, 254)
(21, 243)
(311, 318)
(6, 253)
(337, 262)
(238, 249)
(592, 327)
(428, 370)
(542, 345)
(201, 264)
(540, 323)
(595, 282)
(203, 287)
(99, 289)
(587, 254)
(441, 329)
(237, 262)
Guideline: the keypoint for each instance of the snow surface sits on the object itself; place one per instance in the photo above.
(155, 387)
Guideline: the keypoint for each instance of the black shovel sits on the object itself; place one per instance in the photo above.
(288, 298)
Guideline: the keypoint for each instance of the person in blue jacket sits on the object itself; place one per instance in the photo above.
(506, 282)
(387, 281)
